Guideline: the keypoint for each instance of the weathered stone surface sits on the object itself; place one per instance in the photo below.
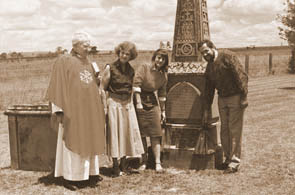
(185, 90)
(32, 139)
(179, 151)
(191, 26)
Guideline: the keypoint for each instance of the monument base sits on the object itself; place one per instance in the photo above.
(179, 147)
(186, 159)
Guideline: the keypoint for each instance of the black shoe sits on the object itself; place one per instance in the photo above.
(116, 172)
(70, 185)
(124, 165)
(230, 170)
(99, 178)
(223, 166)
(95, 178)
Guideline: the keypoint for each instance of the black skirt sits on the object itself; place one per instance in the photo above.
(149, 121)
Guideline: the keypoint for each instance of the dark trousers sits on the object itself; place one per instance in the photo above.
(231, 115)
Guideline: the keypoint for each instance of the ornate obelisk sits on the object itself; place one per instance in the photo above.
(191, 26)
(185, 88)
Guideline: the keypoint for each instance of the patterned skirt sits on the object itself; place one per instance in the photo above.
(123, 132)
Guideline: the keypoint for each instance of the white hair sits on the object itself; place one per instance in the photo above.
(80, 37)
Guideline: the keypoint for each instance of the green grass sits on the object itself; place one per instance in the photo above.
(267, 156)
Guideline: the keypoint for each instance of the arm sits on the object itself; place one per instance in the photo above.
(209, 92)
(162, 93)
(241, 78)
(137, 83)
(106, 77)
(138, 100)
(208, 98)
(239, 74)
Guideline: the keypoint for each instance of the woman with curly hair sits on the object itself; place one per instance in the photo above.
(123, 131)
(149, 86)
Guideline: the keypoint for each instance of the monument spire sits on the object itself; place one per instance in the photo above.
(191, 27)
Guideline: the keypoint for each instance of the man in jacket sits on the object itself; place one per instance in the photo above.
(225, 73)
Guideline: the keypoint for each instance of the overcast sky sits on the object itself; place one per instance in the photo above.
(42, 25)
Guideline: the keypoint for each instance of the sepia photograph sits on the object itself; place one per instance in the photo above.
(145, 97)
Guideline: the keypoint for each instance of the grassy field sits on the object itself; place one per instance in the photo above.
(267, 155)
(26, 80)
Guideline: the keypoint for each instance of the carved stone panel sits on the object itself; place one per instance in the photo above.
(191, 26)
(184, 102)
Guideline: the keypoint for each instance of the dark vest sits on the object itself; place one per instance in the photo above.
(121, 82)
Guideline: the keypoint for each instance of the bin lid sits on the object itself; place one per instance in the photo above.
(28, 109)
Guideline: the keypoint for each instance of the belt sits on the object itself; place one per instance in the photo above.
(120, 96)
(148, 98)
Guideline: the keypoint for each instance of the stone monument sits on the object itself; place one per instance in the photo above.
(186, 84)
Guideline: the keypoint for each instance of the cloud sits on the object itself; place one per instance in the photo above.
(108, 4)
(30, 25)
(83, 14)
(243, 23)
(17, 8)
(250, 11)
(215, 3)
(73, 4)
(24, 24)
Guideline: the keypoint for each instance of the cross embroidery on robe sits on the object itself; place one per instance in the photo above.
(86, 76)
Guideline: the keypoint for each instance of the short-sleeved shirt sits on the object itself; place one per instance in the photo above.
(148, 80)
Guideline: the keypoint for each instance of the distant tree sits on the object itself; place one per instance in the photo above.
(51, 54)
(60, 50)
(20, 55)
(93, 50)
(14, 54)
(287, 32)
(3, 55)
(161, 45)
(168, 45)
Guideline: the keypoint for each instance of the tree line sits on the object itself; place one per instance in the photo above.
(59, 50)
(287, 31)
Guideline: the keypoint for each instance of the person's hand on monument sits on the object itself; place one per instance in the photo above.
(244, 102)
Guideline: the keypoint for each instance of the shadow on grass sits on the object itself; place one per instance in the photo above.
(287, 88)
(3, 168)
(108, 172)
(105, 171)
(49, 180)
